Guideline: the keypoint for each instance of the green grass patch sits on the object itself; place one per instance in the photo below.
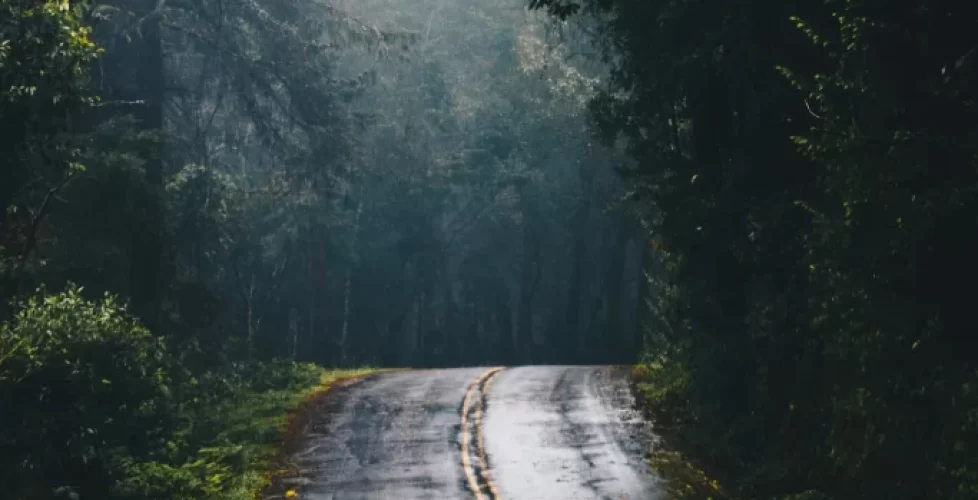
(256, 424)
(234, 443)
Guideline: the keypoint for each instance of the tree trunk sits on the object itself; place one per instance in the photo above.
(344, 331)
(530, 278)
(504, 321)
(133, 72)
(311, 273)
(572, 341)
(453, 349)
(614, 334)
(425, 315)
(643, 315)
(250, 318)
(293, 332)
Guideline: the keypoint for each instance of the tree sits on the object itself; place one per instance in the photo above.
(804, 294)
(44, 52)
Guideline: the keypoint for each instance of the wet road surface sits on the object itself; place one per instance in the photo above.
(526, 433)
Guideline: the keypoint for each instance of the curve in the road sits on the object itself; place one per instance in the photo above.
(544, 432)
(567, 433)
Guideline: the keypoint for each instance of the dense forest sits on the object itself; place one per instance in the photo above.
(376, 198)
(199, 194)
(772, 207)
(809, 174)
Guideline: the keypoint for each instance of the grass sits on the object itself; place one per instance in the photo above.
(251, 429)
(289, 416)
(278, 417)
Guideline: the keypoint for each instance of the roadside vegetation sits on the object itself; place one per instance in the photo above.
(659, 394)
(95, 405)
(808, 174)
(155, 380)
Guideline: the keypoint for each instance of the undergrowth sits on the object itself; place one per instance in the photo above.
(92, 405)
(659, 387)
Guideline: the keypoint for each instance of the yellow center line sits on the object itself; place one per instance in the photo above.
(466, 437)
(480, 441)
(466, 465)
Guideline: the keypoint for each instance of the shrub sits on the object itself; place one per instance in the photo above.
(82, 385)
(94, 406)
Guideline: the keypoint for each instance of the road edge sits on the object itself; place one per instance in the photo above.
(281, 466)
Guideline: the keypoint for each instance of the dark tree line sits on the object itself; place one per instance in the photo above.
(808, 173)
(328, 182)
(199, 194)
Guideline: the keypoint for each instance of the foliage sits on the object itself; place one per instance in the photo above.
(230, 432)
(77, 377)
(45, 51)
(266, 180)
(808, 169)
(319, 179)
(339, 230)
(94, 404)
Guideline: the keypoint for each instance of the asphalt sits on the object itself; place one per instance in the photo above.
(525, 433)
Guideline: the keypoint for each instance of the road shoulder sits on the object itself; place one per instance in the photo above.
(316, 400)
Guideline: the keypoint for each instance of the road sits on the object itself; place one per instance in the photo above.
(533, 433)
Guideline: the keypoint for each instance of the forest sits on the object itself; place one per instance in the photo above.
(769, 207)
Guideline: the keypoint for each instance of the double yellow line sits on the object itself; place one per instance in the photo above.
(477, 391)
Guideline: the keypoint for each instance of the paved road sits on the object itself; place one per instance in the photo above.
(527, 433)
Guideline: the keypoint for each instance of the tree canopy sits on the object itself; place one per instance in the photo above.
(807, 170)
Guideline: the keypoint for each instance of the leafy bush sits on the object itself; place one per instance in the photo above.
(82, 384)
(93, 404)
(662, 384)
